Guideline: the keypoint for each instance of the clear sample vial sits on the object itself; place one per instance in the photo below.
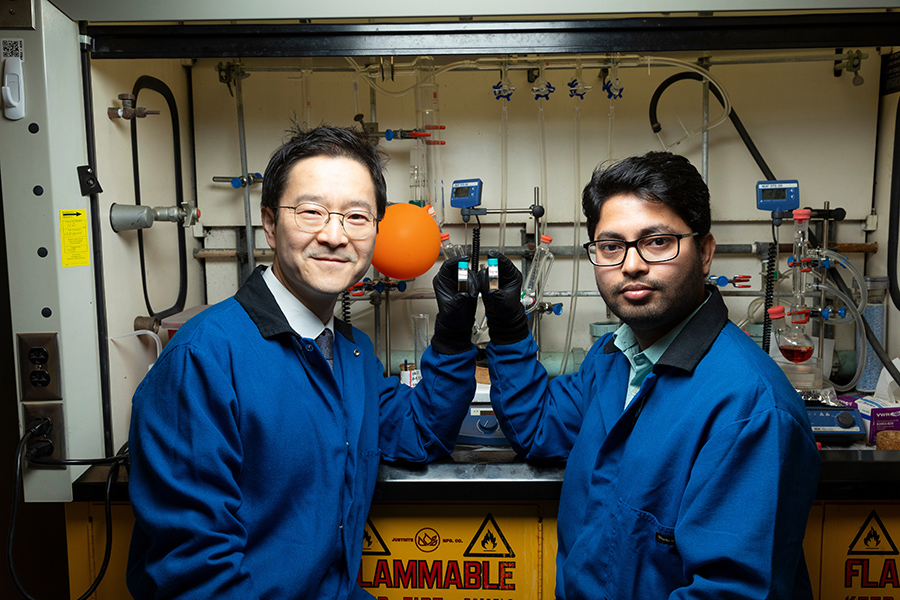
(493, 273)
(532, 292)
(462, 276)
(448, 248)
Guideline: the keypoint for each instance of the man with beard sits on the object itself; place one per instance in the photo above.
(690, 463)
(256, 436)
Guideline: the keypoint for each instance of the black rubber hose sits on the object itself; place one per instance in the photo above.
(97, 253)
(894, 216)
(761, 163)
(771, 258)
(735, 120)
(476, 246)
(151, 83)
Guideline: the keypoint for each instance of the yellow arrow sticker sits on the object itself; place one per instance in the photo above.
(73, 238)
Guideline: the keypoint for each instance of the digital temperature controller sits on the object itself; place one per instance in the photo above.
(778, 195)
(466, 193)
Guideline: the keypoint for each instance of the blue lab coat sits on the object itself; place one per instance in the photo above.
(701, 488)
(253, 465)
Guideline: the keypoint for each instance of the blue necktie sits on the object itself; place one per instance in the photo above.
(325, 342)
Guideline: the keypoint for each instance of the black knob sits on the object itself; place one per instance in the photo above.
(846, 420)
(487, 425)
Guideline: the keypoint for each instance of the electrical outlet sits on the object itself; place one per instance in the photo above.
(57, 435)
(17, 14)
(39, 366)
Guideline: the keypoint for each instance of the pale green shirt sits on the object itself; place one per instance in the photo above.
(642, 361)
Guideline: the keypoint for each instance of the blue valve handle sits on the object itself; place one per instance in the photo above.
(574, 88)
(607, 87)
(502, 91)
(238, 182)
(548, 89)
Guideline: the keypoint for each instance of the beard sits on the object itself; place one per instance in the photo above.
(671, 303)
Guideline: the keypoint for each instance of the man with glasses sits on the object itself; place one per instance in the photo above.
(690, 463)
(256, 437)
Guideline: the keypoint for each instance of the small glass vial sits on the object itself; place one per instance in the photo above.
(448, 248)
(532, 292)
(493, 273)
(462, 276)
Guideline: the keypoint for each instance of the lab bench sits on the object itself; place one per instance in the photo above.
(496, 474)
(484, 494)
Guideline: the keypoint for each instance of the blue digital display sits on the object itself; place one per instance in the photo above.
(465, 193)
(778, 195)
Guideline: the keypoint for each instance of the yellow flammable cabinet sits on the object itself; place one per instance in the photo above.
(860, 552)
(481, 525)
(453, 552)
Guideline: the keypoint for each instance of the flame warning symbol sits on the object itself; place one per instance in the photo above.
(872, 538)
(372, 544)
(489, 541)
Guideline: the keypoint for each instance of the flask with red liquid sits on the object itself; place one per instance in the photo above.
(793, 342)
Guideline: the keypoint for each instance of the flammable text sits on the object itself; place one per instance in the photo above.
(468, 575)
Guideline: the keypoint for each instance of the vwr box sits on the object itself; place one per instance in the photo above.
(454, 552)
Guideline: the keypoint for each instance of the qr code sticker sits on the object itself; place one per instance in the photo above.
(12, 48)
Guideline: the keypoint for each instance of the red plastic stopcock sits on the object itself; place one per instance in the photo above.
(445, 237)
(776, 312)
(801, 214)
(546, 239)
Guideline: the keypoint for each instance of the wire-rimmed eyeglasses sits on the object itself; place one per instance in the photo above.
(358, 224)
(654, 248)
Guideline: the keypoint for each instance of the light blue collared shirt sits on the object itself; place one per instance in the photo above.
(642, 361)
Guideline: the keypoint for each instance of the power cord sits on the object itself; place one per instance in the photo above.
(35, 454)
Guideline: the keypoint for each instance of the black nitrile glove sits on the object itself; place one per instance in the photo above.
(506, 319)
(456, 309)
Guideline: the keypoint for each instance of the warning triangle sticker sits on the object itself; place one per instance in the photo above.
(373, 544)
(489, 542)
(872, 538)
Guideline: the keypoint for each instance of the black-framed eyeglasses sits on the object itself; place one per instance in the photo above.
(654, 248)
(310, 217)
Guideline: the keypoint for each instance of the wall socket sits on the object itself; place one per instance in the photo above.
(39, 372)
(57, 435)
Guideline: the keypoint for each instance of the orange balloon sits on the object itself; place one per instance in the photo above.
(408, 242)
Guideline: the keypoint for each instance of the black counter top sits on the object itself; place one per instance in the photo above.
(496, 474)
(859, 475)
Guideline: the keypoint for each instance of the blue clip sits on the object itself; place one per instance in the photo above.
(502, 91)
(238, 182)
(547, 89)
(610, 93)
(841, 312)
(574, 88)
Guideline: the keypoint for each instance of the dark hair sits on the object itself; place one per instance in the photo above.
(654, 177)
(325, 140)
